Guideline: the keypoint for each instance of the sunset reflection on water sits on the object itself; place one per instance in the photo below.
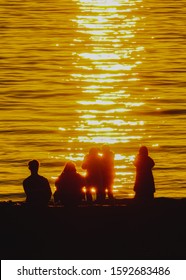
(82, 73)
(104, 70)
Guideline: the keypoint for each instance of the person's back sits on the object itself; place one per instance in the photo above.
(144, 186)
(36, 187)
(69, 186)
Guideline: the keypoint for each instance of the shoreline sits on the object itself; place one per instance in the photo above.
(123, 230)
(117, 200)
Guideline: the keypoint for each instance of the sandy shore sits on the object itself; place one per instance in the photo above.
(123, 230)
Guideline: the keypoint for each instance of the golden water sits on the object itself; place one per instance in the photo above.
(80, 73)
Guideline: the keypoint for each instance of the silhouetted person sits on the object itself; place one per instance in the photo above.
(108, 170)
(94, 177)
(144, 186)
(36, 187)
(69, 186)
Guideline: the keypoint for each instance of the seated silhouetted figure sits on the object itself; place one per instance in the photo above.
(69, 186)
(36, 187)
(144, 186)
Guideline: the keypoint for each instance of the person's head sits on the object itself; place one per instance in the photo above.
(70, 167)
(105, 148)
(143, 151)
(33, 165)
(93, 151)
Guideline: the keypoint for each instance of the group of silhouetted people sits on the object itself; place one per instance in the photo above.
(100, 173)
(99, 166)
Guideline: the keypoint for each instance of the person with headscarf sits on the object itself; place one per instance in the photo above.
(144, 186)
(69, 186)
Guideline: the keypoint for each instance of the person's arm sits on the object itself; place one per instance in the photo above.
(57, 183)
(25, 187)
(152, 163)
(49, 189)
(135, 163)
(85, 163)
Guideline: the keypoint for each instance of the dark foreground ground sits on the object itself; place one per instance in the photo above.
(120, 231)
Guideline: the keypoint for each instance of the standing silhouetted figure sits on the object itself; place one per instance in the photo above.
(144, 186)
(36, 187)
(108, 170)
(94, 177)
(69, 186)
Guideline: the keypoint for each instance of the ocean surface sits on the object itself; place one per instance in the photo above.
(81, 73)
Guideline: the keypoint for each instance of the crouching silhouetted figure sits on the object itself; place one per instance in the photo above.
(69, 186)
(36, 187)
(144, 186)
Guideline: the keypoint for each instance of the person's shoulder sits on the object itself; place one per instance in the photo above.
(78, 175)
(43, 178)
(136, 159)
(151, 161)
(26, 180)
(112, 154)
(86, 157)
(150, 158)
(80, 178)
